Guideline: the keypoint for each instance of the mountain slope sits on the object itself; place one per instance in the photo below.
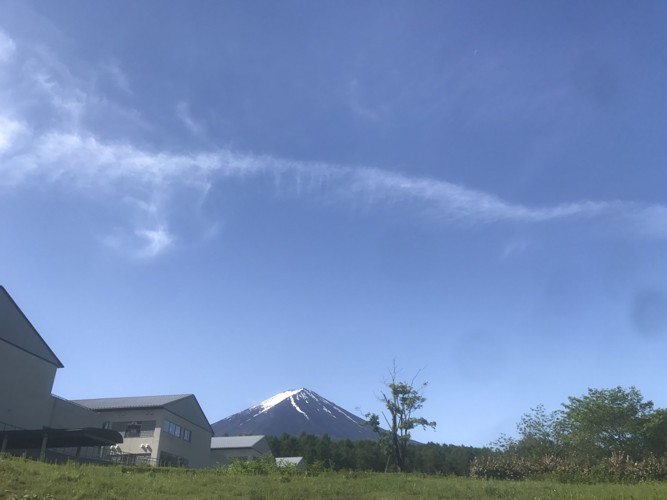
(295, 412)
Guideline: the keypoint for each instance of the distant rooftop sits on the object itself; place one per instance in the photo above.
(225, 442)
(183, 405)
(284, 461)
(129, 402)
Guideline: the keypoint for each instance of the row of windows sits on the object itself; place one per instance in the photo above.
(145, 428)
(177, 431)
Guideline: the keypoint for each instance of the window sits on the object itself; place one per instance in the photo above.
(177, 431)
(172, 428)
(134, 428)
(171, 460)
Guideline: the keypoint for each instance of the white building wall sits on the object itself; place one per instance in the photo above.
(133, 444)
(196, 451)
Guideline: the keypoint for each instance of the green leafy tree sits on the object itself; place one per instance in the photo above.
(402, 401)
(655, 433)
(606, 421)
(540, 433)
(324, 450)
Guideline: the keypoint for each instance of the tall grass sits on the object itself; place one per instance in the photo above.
(617, 468)
(28, 480)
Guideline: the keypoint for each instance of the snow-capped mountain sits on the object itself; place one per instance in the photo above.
(294, 412)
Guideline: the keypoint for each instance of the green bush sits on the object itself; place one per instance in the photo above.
(260, 467)
(510, 466)
(618, 468)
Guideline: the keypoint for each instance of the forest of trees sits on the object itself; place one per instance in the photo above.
(394, 448)
(603, 435)
(606, 434)
(429, 458)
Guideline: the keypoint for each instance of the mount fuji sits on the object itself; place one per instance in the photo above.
(295, 412)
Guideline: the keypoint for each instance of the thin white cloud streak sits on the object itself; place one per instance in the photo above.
(514, 247)
(87, 162)
(7, 48)
(183, 113)
(141, 243)
(68, 153)
(457, 202)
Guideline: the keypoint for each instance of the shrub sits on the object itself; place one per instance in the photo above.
(259, 467)
(572, 469)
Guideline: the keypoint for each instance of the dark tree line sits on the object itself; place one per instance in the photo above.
(603, 435)
(402, 401)
(346, 454)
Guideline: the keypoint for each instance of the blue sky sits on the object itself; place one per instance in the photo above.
(233, 199)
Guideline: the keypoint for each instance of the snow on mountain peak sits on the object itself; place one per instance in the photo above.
(298, 395)
(267, 404)
(295, 412)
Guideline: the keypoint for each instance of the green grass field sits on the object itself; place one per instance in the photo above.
(29, 480)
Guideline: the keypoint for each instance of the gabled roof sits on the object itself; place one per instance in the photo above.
(129, 402)
(184, 405)
(16, 330)
(258, 443)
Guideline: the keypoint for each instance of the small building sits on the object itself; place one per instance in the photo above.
(227, 449)
(27, 372)
(297, 462)
(158, 430)
(33, 421)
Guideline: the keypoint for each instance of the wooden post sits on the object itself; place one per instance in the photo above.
(4, 443)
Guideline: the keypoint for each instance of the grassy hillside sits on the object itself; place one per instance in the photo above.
(29, 480)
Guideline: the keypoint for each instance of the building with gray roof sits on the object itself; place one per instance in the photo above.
(159, 430)
(225, 450)
(27, 371)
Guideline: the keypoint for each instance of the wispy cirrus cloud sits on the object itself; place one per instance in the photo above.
(7, 47)
(184, 114)
(86, 161)
(10, 132)
(60, 147)
(454, 201)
